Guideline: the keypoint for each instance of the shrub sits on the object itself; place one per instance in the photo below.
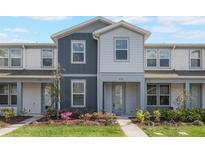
(86, 116)
(108, 122)
(66, 115)
(198, 123)
(157, 115)
(146, 116)
(50, 113)
(8, 113)
(190, 115)
(76, 114)
(172, 114)
(140, 116)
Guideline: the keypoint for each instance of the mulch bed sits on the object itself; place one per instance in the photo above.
(11, 121)
(72, 122)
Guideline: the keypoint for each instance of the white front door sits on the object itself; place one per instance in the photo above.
(32, 98)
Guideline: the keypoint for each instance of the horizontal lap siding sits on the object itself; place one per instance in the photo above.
(91, 92)
(136, 42)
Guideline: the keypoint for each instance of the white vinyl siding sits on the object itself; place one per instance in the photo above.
(106, 56)
(78, 93)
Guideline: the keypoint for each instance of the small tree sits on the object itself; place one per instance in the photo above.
(55, 89)
(182, 99)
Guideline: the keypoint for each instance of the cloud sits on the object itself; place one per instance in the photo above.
(16, 30)
(132, 19)
(182, 20)
(49, 18)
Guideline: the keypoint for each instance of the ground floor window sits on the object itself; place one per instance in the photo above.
(8, 94)
(78, 91)
(158, 94)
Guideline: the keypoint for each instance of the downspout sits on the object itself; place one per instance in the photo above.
(98, 70)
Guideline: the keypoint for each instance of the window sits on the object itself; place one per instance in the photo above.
(4, 94)
(121, 49)
(4, 57)
(151, 57)
(195, 56)
(164, 55)
(47, 57)
(164, 94)
(158, 94)
(78, 51)
(13, 94)
(151, 94)
(16, 57)
(78, 93)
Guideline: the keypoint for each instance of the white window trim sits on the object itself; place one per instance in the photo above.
(158, 95)
(150, 67)
(42, 66)
(84, 52)
(190, 58)
(5, 58)
(10, 58)
(78, 81)
(159, 50)
(115, 52)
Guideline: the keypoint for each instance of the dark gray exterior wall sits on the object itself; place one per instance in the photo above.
(64, 54)
(91, 93)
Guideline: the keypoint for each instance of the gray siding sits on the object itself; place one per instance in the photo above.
(64, 54)
(91, 93)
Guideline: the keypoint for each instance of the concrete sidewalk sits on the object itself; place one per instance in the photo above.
(130, 129)
(4, 131)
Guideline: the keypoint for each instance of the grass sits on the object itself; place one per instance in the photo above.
(67, 131)
(168, 131)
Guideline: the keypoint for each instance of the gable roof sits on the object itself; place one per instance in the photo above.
(124, 24)
(72, 29)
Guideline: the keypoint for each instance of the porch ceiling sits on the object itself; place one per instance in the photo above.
(174, 74)
(26, 74)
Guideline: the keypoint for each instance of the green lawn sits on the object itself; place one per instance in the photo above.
(182, 131)
(70, 131)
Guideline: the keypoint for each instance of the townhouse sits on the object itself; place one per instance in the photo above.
(107, 67)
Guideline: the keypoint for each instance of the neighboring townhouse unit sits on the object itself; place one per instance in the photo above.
(106, 67)
(25, 74)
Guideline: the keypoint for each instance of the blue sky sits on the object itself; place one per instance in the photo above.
(164, 29)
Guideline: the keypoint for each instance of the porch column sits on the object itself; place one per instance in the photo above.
(187, 93)
(19, 97)
(100, 96)
(142, 95)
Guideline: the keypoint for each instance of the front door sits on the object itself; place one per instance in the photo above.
(195, 96)
(118, 99)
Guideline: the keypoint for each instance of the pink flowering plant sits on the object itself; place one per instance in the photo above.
(66, 115)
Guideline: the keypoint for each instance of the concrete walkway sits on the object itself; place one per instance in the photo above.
(4, 131)
(130, 129)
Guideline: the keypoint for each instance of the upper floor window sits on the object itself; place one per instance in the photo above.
(4, 57)
(121, 49)
(195, 58)
(151, 58)
(47, 57)
(164, 55)
(158, 58)
(16, 57)
(11, 57)
(78, 50)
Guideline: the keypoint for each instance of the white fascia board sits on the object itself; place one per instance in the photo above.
(70, 30)
(127, 25)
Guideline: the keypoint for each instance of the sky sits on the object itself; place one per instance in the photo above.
(164, 29)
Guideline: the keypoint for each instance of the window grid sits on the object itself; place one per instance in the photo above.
(77, 52)
(9, 94)
(158, 94)
(47, 57)
(117, 49)
(78, 93)
(193, 58)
